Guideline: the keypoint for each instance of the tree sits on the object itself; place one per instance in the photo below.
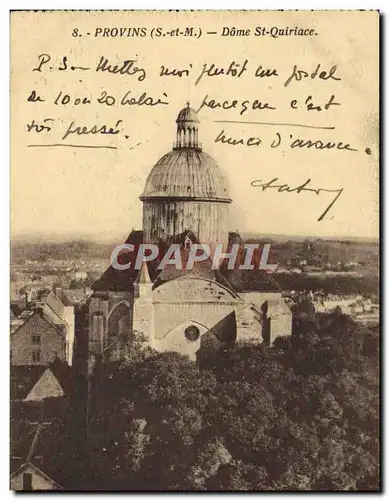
(299, 415)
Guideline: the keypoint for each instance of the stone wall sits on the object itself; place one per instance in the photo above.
(207, 220)
(190, 299)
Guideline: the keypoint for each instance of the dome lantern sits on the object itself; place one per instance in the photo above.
(187, 129)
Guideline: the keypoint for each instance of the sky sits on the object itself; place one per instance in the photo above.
(72, 191)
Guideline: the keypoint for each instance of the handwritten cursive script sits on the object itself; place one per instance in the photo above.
(285, 188)
(95, 129)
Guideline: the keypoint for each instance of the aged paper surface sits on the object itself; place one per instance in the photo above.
(149, 150)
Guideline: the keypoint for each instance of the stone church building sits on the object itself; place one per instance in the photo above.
(185, 200)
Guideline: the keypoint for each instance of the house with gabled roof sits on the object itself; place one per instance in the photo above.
(38, 341)
(45, 333)
(33, 466)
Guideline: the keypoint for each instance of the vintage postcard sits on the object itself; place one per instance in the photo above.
(194, 289)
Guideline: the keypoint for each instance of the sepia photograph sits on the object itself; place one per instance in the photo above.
(195, 254)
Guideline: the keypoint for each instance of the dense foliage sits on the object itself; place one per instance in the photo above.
(300, 415)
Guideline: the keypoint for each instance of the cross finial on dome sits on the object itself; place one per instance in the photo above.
(187, 104)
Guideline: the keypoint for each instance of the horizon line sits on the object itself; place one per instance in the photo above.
(94, 236)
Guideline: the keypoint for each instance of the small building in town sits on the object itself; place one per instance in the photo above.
(34, 464)
(45, 333)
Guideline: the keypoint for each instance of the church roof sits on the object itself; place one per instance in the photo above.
(200, 270)
(186, 173)
(187, 114)
(123, 280)
(236, 280)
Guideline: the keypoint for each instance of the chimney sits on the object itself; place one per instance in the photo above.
(39, 310)
(28, 296)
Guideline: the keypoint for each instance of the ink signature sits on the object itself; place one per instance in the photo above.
(285, 188)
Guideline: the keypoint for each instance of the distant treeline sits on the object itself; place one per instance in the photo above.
(320, 252)
(340, 285)
(71, 250)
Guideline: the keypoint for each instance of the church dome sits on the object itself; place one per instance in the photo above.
(189, 173)
(186, 172)
(187, 115)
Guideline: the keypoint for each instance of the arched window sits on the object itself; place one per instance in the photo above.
(119, 321)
